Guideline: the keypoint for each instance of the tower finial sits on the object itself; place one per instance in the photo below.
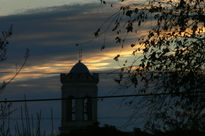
(80, 54)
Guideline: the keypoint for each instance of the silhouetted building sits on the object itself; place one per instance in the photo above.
(78, 113)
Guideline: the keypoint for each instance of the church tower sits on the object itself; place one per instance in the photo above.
(78, 113)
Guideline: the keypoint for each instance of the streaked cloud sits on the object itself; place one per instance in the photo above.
(9, 7)
(51, 34)
(51, 37)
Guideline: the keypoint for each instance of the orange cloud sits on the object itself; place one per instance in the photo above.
(95, 61)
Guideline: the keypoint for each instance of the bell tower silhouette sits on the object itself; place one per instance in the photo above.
(78, 113)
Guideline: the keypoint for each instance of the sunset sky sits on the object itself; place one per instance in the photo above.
(51, 32)
(50, 29)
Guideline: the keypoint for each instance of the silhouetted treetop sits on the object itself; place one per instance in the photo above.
(169, 56)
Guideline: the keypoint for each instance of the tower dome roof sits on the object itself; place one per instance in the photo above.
(79, 68)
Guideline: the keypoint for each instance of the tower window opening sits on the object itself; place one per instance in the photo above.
(87, 109)
(71, 109)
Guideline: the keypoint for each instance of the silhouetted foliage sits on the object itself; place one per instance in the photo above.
(5, 112)
(28, 125)
(108, 130)
(4, 41)
(172, 59)
(5, 108)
